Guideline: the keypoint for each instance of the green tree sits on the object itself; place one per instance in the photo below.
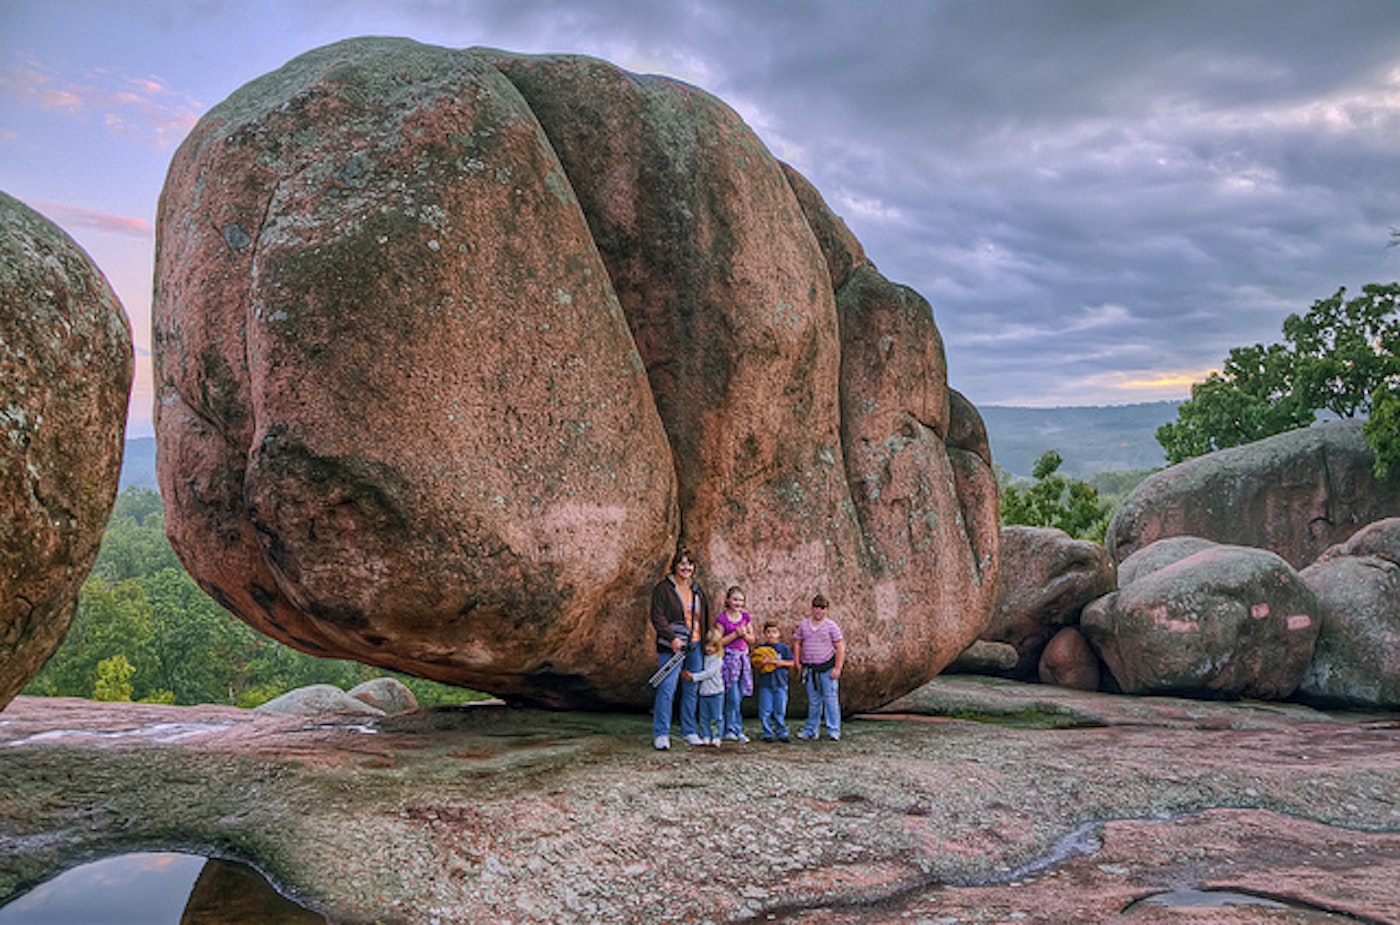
(1345, 351)
(1382, 431)
(111, 619)
(1053, 500)
(1253, 397)
(113, 679)
(1342, 356)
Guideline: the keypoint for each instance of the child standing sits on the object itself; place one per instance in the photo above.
(821, 651)
(737, 673)
(773, 660)
(711, 688)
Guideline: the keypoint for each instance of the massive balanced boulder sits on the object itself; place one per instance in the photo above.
(66, 366)
(1295, 494)
(452, 347)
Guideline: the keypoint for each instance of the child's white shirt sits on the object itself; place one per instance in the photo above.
(711, 682)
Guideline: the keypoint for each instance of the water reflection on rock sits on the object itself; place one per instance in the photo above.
(156, 888)
(233, 893)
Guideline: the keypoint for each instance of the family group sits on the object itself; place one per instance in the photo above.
(715, 664)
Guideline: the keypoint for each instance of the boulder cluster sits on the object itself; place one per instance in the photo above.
(1270, 571)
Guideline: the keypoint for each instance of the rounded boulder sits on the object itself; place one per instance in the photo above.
(1226, 622)
(453, 345)
(1356, 664)
(66, 364)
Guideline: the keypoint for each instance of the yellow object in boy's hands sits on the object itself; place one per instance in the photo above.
(765, 658)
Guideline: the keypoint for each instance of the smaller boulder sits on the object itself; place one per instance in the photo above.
(1159, 555)
(1047, 577)
(985, 657)
(1227, 622)
(1380, 539)
(388, 694)
(1069, 661)
(1356, 663)
(315, 699)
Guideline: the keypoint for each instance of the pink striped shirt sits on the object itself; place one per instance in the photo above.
(818, 641)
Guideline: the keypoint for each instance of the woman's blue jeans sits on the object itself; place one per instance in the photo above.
(663, 706)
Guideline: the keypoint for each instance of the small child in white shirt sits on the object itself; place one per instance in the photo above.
(711, 689)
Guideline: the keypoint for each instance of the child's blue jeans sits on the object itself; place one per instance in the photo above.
(711, 726)
(772, 711)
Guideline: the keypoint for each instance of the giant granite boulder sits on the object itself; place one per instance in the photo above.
(66, 367)
(1296, 494)
(1356, 663)
(452, 346)
(1047, 577)
(1225, 622)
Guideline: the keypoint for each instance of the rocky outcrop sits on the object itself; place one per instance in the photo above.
(451, 346)
(1047, 577)
(66, 367)
(1225, 622)
(1295, 494)
(494, 815)
(1356, 663)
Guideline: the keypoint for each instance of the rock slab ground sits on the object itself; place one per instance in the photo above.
(971, 800)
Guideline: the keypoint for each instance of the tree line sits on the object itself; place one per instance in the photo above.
(145, 631)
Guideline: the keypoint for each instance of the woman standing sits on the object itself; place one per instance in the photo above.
(680, 614)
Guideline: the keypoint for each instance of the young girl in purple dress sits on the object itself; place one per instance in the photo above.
(737, 626)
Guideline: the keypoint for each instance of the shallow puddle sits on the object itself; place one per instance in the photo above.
(156, 888)
(1205, 899)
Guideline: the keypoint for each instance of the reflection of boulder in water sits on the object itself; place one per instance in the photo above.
(235, 893)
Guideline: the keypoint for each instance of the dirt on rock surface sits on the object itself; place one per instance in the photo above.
(971, 800)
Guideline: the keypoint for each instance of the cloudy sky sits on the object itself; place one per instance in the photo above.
(1099, 198)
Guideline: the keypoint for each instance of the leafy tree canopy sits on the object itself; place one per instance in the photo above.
(1342, 356)
(1053, 500)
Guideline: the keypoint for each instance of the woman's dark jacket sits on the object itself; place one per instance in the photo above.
(669, 619)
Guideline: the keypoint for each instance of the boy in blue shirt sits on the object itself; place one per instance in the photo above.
(771, 682)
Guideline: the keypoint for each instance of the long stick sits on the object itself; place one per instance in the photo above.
(668, 669)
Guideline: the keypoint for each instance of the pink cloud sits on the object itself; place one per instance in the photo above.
(74, 217)
(140, 109)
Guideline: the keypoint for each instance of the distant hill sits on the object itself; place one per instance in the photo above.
(139, 464)
(1092, 439)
